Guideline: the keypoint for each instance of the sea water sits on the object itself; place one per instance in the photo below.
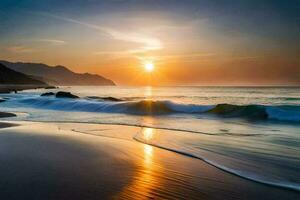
(252, 132)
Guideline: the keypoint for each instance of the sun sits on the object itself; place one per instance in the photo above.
(149, 67)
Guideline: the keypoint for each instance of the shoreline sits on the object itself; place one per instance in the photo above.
(124, 168)
(226, 170)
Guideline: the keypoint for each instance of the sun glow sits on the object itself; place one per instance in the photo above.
(149, 67)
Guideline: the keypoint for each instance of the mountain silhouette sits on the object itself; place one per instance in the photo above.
(12, 77)
(57, 75)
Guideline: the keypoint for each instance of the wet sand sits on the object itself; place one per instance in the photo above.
(85, 161)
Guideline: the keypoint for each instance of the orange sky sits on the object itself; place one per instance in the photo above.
(189, 44)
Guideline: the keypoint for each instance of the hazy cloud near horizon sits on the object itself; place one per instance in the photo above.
(190, 42)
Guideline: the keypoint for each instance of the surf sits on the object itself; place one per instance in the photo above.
(288, 113)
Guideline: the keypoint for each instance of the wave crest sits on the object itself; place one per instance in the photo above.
(153, 107)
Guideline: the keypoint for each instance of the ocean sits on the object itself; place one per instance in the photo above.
(252, 132)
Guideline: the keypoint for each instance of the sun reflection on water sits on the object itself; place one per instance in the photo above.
(145, 182)
(148, 134)
(148, 92)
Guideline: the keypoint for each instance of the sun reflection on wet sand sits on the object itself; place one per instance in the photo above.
(145, 181)
(148, 153)
(147, 134)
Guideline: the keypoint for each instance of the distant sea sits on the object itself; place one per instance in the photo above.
(252, 132)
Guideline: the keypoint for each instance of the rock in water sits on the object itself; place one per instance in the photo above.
(65, 95)
(48, 94)
(51, 87)
(104, 98)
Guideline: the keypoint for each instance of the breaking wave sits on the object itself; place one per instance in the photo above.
(152, 107)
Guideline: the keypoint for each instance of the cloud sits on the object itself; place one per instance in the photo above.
(193, 57)
(201, 55)
(148, 43)
(51, 41)
(19, 49)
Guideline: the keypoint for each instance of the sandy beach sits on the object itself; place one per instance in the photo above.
(89, 161)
